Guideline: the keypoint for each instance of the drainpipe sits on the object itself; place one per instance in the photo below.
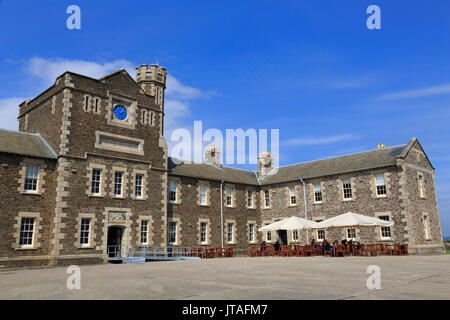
(306, 212)
(221, 212)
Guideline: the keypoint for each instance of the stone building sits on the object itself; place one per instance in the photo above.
(89, 169)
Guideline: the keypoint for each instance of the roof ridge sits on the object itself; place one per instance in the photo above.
(346, 155)
(21, 132)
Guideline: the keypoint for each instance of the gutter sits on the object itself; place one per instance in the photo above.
(306, 211)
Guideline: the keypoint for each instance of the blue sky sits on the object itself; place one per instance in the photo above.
(311, 69)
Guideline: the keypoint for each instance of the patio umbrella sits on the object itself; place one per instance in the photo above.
(292, 223)
(351, 219)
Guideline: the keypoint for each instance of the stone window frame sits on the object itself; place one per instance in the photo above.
(149, 219)
(177, 232)
(125, 173)
(233, 195)
(289, 202)
(99, 105)
(89, 103)
(41, 176)
(346, 234)
(207, 193)
(378, 230)
(373, 187)
(255, 230)
(37, 233)
(427, 227)
(131, 105)
(318, 219)
(92, 234)
(292, 240)
(253, 191)
(265, 233)
(105, 146)
(144, 184)
(314, 192)
(178, 190)
(421, 187)
(208, 231)
(263, 199)
(234, 235)
(341, 188)
(103, 179)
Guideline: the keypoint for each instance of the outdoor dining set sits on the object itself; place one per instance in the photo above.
(338, 250)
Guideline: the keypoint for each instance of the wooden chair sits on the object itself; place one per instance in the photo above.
(219, 252)
(339, 249)
(285, 250)
(228, 251)
(210, 253)
(308, 250)
(360, 250)
(269, 251)
(397, 249)
(253, 252)
(318, 250)
(405, 249)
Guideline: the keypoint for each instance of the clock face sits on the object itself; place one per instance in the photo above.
(120, 112)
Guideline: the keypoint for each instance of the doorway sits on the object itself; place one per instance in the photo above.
(114, 241)
(282, 236)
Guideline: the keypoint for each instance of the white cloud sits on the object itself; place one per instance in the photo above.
(9, 109)
(50, 69)
(418, 93)
(310, 141)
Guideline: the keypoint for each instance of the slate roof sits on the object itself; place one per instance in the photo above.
(28, 144)
(210, 172)
(376, 158)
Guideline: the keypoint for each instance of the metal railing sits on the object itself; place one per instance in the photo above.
(136, 253)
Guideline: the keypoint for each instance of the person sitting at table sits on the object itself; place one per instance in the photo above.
(344, 242)
(277, 245)
(335, 243)
(326, 246)
(263, 247)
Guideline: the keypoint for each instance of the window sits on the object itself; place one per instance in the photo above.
(317, 192)
(95, 187)
(426, 227)
(380, 184)
(86, 103)
(172, 191)
(151, 118)
(351, 234)
(144, 113)
(292, 196)
(203, 228)
(96, 105)
(144, 231)
(202, 194)
(118, 183)
(173, 232)
(31, 177)
(295, 235)
(421, 186)
(251, 232)
(269, 236)
(385, 231)
(230, 232)
(84, 236)
(26, 232)
(138, 186)
(266, 198)
(320, 235)
(250, 199)
(229, 197)
(347, 188)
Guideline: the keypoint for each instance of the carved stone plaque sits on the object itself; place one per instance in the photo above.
(117, 217)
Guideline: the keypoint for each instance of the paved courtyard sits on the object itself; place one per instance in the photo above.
(407, 277)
